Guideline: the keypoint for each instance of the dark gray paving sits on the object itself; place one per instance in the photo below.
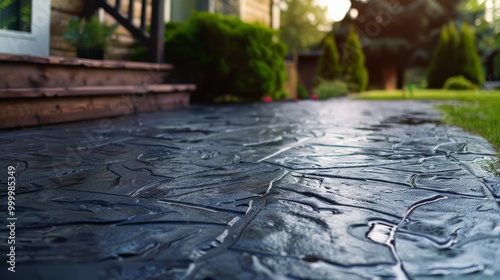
(311, 190)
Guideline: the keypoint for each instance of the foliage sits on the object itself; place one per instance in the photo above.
(226, 56)
(459, 83)
(494, 166)
(436, 75)
(9, 15)
(431, 94)
(329, 89)
(444, 61)
(467, 57)
(455, 56)
(89, 34)
(300, 23)
(355, 72)
(399, 34)
(481, 117)
(487, 33)
(329, 67)
(302, 92)
(5, 4)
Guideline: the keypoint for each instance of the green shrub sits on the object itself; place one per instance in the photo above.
(454, 56)
(443, 59)
(329, 67)
(329, 89)
(468, 61)
(355, 71)
(225, 56)
(302, 92)
(459, 83)
(89, 34)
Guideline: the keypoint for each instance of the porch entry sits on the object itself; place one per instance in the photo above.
(25, 27)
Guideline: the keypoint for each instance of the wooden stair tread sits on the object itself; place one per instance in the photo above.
(93, 90)
(90, 63)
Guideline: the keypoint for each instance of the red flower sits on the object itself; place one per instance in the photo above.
(314, 96)
(268, 99)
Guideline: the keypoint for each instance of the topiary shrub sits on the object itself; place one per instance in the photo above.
(302, 92)
(329, 67)
(355, 71)
(329, 89)
(459, 83)
(225, 56)
(455, 55)
(468, 61)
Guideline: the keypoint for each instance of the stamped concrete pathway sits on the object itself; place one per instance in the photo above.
(310, 190)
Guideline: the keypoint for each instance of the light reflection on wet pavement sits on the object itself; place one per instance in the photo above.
(310, 190)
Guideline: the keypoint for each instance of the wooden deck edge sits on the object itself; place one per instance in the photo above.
(56, 60)
(92, 90)
(44, 111)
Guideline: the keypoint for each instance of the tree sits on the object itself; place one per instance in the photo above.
(455, 56)
(444, 62)
(468, 61)
(355, 72)
(300, 23)
(393, 32)
(329, 67)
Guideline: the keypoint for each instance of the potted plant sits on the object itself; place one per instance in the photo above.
(90, 37)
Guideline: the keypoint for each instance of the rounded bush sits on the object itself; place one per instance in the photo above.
(459, 83)
(225, 56)
(302, 92)
(330, 89)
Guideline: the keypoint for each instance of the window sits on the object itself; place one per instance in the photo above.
(25, 27)
(15, 15)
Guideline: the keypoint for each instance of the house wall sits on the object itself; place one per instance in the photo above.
(256, 11)
(123, 43)
(62, 11)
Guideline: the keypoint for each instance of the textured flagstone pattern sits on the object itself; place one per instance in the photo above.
(315, 190)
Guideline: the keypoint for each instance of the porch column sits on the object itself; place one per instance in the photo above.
(157, 45)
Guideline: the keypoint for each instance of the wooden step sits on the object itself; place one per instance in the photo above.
(20, 112)
(93, 90)
(89, 63)
(21, 71)
(37, 90)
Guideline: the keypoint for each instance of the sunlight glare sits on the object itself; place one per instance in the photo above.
(337, 9)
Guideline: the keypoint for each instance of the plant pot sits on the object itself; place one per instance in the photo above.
(90, 53)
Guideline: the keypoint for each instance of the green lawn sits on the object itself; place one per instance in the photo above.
(479, 113)
(462, 95)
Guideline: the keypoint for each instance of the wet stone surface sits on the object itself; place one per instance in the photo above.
(310, 190)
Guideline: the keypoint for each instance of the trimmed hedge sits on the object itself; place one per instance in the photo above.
(329, 67)
(455, 56)
(225, 56)
(330, 89)
(355, 71)
(459, 83)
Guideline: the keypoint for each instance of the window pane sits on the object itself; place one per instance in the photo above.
(15, 15)
(228, 7)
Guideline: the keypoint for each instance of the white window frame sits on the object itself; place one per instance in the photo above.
(35, 42)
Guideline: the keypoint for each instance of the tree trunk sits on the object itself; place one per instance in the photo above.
(401, 77)
(390, 77)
